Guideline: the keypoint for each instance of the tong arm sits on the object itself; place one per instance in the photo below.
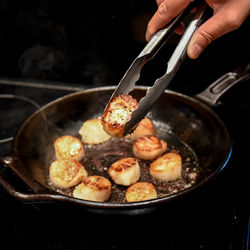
(161, 84)
(161, 36)
(127, 83)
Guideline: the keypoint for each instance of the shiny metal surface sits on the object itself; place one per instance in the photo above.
(162, 83)
(128, 82)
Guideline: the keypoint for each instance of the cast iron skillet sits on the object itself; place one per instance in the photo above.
(187, 123)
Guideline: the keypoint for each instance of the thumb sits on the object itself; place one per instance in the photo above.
(212, 29)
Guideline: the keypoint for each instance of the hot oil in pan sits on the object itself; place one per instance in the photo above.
(98, 159)
(190, 164)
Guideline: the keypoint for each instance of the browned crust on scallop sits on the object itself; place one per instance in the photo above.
(140, 191)
(144, 127)
(146, 123)
(97, 182)
(167, 158)
(123, 164)
(148, 143)
(122, 102)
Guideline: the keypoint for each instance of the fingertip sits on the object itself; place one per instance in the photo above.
(180, 29)
(194, 51)
(150, 30)
(147, 36)
(196, 45)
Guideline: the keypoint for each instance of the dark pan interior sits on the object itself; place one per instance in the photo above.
(188, 126)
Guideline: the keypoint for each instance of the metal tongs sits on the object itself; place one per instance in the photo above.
(127, 83)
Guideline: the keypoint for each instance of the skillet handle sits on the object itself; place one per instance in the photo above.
(28, 197)
(6, 181)
(212, 94)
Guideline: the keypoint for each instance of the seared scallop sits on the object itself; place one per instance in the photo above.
(66, 173)
(167, 167)
(125, 171)
(117, 113)
(69, 147)
(141, 191)
(92, 132)
(149, 147)
(94, 188)
(145, 127)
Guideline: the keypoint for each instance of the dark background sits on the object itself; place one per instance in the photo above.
(92, 43)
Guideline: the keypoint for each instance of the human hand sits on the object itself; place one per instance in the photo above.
(228, 15)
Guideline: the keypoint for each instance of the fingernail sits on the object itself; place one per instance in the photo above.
(195, 50)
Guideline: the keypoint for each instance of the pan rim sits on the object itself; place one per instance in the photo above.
(127, 205)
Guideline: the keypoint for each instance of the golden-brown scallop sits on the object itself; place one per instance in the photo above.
(125, 171)
(66, 173)
(69, 147)
(93, 188)
(92, 132)
(167, 167)
(141, 191)
(117, 113)
(149, 147)
(145, 127)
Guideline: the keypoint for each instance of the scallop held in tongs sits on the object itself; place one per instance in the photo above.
(119, 120)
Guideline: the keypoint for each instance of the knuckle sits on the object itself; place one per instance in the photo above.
(207, 36)
(162, 9)
(165, 11)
